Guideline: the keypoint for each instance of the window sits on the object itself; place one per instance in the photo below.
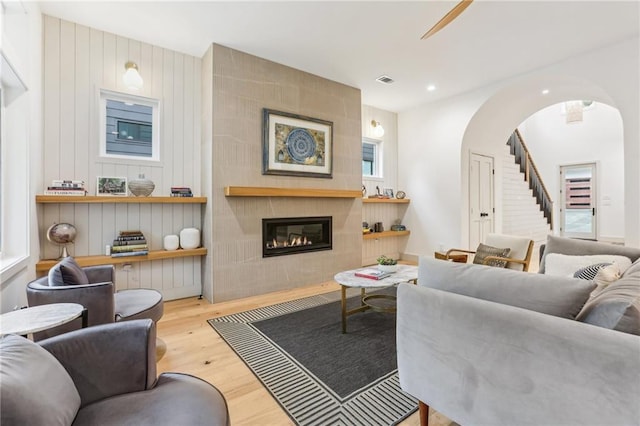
(130, 127)
(371, 157)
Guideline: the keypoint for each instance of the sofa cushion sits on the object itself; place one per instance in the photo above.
(34, 387)
(616, 307)
(484, 250)
(192, 402)
(567, 265)
(67, 272)
(576, 247)
(559, 296)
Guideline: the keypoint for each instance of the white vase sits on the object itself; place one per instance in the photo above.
(388, 268)
(190, 238)
(171, 242)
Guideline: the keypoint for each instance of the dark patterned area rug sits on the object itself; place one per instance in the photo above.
(317, 374)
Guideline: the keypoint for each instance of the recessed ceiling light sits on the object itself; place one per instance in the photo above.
(545, 91)
(431, 88)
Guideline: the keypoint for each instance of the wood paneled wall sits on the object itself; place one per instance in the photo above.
(78, 62)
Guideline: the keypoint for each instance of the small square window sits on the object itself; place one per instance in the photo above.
(130, 128)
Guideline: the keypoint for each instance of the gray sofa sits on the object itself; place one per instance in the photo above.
(489, 346)
(102, 375)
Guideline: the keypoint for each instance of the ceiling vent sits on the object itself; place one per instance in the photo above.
(384, 79)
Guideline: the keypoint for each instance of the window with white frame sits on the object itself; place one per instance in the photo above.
(371, 157)
(129, 127)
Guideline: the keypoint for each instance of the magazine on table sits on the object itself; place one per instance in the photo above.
(374, 274)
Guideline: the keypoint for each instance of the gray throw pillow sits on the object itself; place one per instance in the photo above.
(617, 307)
(67, 272)
(484, 250)
(552, 295)
(36, 389)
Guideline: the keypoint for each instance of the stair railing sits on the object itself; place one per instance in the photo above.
(531, 175)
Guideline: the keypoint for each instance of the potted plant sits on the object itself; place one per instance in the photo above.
(387, 264)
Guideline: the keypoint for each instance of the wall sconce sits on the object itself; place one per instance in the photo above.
(131, 78)
(378, 130)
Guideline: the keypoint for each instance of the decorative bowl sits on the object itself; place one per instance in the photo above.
(388, 268)
(141, 187)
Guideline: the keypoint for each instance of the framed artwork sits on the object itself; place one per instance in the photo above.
(107, 185)
(295, 145)
(388, 192)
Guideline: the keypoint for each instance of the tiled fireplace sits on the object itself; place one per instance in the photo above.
(292, 235)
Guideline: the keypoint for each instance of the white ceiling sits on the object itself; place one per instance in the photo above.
(355, 42)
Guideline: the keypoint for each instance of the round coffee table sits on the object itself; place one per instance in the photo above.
(376, 302)
(39, 318)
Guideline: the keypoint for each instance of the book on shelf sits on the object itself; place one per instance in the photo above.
(130, 232)
(374, 274)
(130, 253)
(66, 192)
(137, 241)
(177, 194)
(68, 183)
(123, 249)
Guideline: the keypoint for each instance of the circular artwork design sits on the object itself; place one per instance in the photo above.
(300, 145)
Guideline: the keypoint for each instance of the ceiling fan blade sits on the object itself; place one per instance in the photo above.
(446, 20)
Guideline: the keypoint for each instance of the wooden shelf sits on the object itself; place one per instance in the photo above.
(45, 265)
(386, 200)
(384, 234)
(255, 191)
(91, 199)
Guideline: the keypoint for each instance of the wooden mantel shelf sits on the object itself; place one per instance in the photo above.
(46, 264)
(255, 191)
(61, 199)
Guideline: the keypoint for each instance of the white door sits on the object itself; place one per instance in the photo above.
(578, 201)
(481, 213)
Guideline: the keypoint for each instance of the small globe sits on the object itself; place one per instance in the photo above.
(61, 233)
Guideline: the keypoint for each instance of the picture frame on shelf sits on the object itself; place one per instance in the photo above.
(296, 145)
(113, 186)
(388, 192)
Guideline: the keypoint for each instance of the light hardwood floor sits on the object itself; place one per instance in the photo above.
(194, 347)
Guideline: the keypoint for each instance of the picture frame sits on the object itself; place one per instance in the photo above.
(296, 145)
(388, 192)
(112, 186)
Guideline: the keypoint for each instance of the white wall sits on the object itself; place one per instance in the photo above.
(435, 140)
(597, 139)
(22, 44)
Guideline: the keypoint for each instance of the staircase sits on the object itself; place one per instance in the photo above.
(521, 212)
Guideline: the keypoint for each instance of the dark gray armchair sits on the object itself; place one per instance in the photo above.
(98, 296)
(103, 375)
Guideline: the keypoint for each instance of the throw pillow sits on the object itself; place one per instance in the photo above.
(484, 250)
(617, 307)
(67, 272)
(36, 389)
(566, 265)
(558, 296)
(589, 272)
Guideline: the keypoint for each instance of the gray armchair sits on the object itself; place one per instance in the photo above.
(98, 296)
(102, 375)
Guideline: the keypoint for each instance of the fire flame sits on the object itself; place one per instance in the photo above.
(294, 242)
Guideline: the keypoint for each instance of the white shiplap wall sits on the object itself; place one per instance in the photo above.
(78, 62)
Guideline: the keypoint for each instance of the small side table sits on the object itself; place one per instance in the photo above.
(42, 317)
(459, 258)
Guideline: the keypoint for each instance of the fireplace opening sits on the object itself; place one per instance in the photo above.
(291, 235)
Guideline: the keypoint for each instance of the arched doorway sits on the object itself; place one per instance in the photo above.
(496, 119)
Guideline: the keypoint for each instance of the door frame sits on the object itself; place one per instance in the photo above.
(594, 198)
(492, 195)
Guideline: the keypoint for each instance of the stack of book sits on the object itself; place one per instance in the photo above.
(129, 243)
(374, 274)
(66, 187)
(181, 191)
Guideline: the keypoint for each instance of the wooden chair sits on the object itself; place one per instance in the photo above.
(519, 256)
